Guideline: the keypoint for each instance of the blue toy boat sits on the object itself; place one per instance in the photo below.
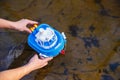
(46, 41)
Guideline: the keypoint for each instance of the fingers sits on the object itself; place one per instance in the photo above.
(28, 30)
(36, 56)
(27, 21)
(45, 64)
(37, 63)
(48, 59)
(30, 21)
(45, 59)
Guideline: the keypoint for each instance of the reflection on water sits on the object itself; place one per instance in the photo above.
(93, 40)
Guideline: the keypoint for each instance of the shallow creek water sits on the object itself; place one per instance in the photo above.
(92, 28)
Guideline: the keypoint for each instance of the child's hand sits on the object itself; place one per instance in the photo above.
(21, 25)
(36, 63)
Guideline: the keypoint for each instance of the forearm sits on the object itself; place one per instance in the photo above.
(16, 74)
(20, 25)
(5, 23)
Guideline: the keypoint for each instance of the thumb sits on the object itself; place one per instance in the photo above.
(28, 30)
(48, 59)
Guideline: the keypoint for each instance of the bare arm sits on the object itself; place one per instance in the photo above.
(5, 23)
(17, 25)
(34, 63)
(18, 73)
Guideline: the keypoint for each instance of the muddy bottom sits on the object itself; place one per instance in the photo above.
(92, 28)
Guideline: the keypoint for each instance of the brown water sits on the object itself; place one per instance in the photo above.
(92, 28)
